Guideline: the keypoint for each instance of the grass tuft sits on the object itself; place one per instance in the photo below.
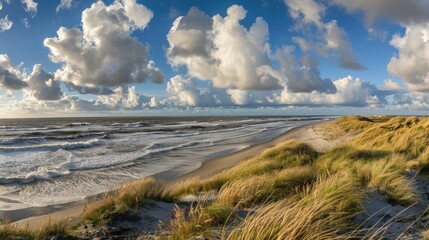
(129, 196)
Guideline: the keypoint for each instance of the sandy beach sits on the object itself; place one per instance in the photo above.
(309, 133)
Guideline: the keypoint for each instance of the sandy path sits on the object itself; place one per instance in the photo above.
(310, 134)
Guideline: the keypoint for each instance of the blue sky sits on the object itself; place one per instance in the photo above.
(348, 41)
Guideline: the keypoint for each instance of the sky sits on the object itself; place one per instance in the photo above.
(189, 57)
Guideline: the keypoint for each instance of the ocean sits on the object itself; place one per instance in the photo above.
(46, 162)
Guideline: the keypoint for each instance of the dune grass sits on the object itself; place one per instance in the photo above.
(373, 169)
(130, 196)
(293, 192)
(277, 185)
(51, 228)
(406, 135)
(320, 211)
(199, 220)
(285, 155)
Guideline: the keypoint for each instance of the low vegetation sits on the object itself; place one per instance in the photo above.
(124, 199)
(50, 229)
(289, 191)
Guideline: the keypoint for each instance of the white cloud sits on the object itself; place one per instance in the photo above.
(11, 77)
(239, 97)
(5, 24)
(104, 54)
(223, 51)
(329, 38)
(123, 98)
(392, 85)
(412, 62)
(183, 91)
(301, 76)
(309, 11)
(42, 86)
(350, 92)
(30, 6)
(67, 104)
(336, 39)
(64, 4)
(405, 12)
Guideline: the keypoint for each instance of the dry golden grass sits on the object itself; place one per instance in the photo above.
(387, 175)
(320, 211)
(408, 135)
(350, 125)
(199, 220)
(277, 185)
(51, 228)
(373, 169)
(129, 196)
(285, 155)
(98, 210)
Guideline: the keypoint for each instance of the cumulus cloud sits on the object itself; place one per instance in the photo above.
(30, 6)
(329, 38)
(122, 98)
(5, 24)
(89, 90)
(223, 51)
(392, 85)
(336, 39)
(350, 92)
(42, 86)
(412, 61)
(10, 76)
(302, 76)
(67, 104)
(64, 4)
(103, 53)
(183, 91)
(308, 11)
(405, 12)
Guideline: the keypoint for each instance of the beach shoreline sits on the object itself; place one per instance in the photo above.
(71, 212)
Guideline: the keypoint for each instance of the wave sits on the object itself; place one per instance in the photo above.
(54, 146)
(42, 173)
(77, 124)
(129, 125)
(10, 129)
(90, 163)
(19, 140)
